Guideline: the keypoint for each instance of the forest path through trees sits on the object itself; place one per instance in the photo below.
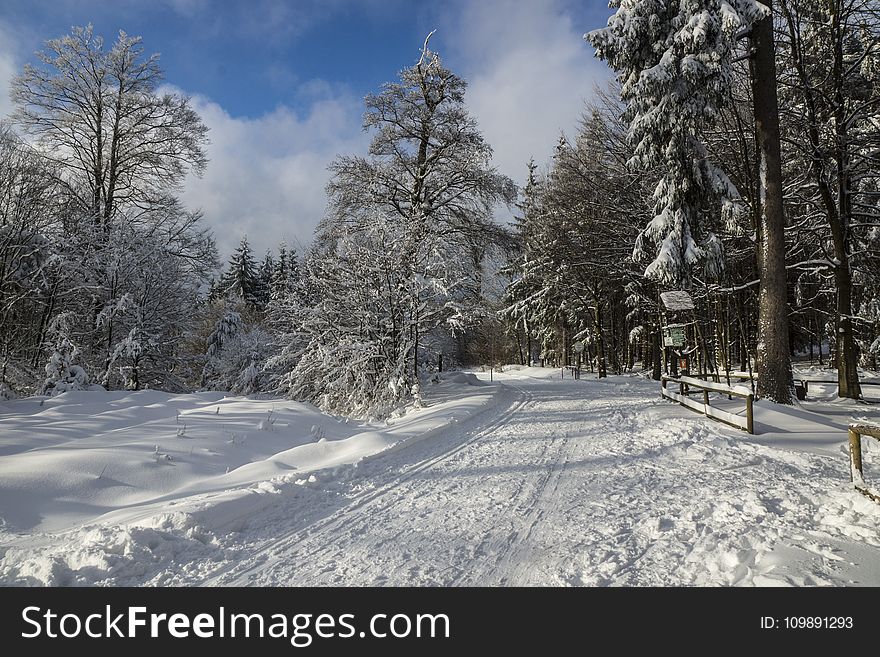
(575, 482)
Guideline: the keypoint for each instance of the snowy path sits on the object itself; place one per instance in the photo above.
(595, 483)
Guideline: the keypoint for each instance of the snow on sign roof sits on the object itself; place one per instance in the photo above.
(677, 300)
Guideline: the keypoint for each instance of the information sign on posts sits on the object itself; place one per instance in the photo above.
(673, 336)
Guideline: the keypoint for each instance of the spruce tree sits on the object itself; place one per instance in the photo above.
(241, 280)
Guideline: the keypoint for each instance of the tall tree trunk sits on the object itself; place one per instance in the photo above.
(519, 346)
(656, 355)
(846, 353)
(774, 361)
(564, 350)
(528, 330)
(601, 365)
(837, 210)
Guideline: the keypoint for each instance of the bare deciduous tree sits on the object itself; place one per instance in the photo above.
(101, 115)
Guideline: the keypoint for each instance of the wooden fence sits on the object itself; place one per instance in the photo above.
(856, 431)
(806, 382)
(685, 383)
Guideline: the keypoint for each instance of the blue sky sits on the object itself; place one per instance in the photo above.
(280, 83)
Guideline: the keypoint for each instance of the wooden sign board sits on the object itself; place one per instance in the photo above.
(677, 300)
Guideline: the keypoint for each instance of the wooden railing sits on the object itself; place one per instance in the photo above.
(835, 382)
(685, 383)
(857, 475)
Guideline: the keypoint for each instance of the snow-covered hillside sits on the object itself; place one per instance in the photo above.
(116, 463)
(540, 481)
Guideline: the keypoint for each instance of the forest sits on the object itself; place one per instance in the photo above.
(736, 156)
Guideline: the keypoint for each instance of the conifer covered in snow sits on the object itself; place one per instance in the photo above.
(241, 280)
(675, 61)
(235, 354)
(63, 373)
(226, 330)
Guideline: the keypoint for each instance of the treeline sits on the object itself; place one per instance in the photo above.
(686, 154)
(107, 280)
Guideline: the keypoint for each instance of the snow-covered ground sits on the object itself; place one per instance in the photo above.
(540, 481)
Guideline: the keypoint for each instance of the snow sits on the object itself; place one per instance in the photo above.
(677, 300)
(537, 481)
(98, 452)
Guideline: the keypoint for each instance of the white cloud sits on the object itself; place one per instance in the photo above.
(7, 71)
(8, 67)
(266, 176)
(529, 73)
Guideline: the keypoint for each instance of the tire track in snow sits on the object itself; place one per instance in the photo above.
(512, 562)
(320, 535)
(590, 484)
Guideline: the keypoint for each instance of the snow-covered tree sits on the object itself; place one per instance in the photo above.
(286, 278)
(98, 112)
(235, 355)
(830, 72)
(350, 350)
(241, 280)
(144, 280)
(119, 255)
(227, 328)
(576, 231)
(63, 374)
(264, 277)
(398, 253)
(29, 216)
(675, 64)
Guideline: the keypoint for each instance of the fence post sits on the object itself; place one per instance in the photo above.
(750, 416)
(705, 397)
(855, 451)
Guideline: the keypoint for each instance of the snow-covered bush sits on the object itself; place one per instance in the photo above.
(235, 355)
(349, 377)
(6, 393)
(62, 373)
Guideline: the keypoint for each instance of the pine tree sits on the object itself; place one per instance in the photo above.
(226, 330)
(519, 300)
(264, 279)
(63, 374)
(675, 64)
(241, 280)
(280, 281)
